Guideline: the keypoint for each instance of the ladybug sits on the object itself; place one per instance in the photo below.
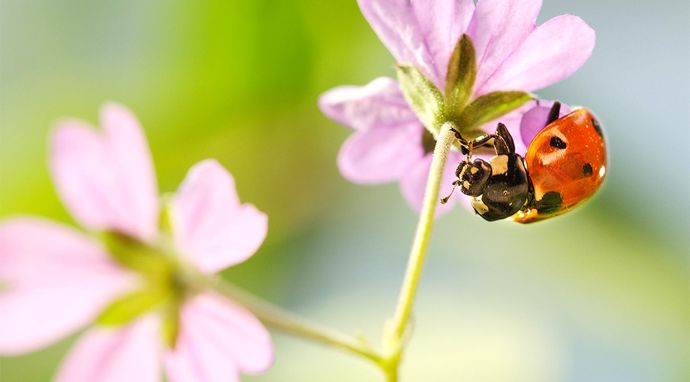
(565, 165)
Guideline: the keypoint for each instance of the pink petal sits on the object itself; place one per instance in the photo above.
(212, 229)
(106, 178)
(551, 53)
(413, 185)
(422, 33)
(534, 120)
(497, 29)
(381, 154)
(377, 104)
(217, 340)
(124, 354)
(51, 272)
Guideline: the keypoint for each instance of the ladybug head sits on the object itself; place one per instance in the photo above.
(472, 177)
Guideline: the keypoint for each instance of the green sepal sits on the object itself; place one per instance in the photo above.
(132, 306)
(462, 72)
(137, 256)
(490, 106)
(423, 96)
(170, 328)
(165, 223)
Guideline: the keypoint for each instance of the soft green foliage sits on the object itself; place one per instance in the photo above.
(462, 72)
(423, 96)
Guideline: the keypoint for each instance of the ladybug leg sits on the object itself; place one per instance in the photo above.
(457, 134)
(468, 146)
(502, 141)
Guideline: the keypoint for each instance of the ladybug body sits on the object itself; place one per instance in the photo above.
(565, 165)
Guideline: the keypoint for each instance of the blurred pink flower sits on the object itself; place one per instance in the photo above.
(58, 280)
(389, 142)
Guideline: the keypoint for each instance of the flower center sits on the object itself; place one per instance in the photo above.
(165, 283)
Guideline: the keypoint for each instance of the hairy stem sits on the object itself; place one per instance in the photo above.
(396, 327)
(295, 325)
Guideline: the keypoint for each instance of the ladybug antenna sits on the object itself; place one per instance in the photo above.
(455, 185)
(554, 113)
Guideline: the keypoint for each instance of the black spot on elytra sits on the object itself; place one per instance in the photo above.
(597, 127)
(587, 169)
(557, 143)
(428, 141)
(550, 203)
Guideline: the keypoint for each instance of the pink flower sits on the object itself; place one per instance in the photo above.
(59, 280)
(389, 142)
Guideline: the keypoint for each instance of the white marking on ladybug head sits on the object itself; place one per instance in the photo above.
(479, 206)
(499, 165)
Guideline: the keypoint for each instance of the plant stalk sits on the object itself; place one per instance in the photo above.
(394, 336)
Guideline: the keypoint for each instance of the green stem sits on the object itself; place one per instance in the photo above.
(290, 323)
(395, 332)
(396, 327)
(391, 373)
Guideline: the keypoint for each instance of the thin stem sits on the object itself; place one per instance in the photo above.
(291, 323)
(397, 326)
(391, 374)
(393, 344)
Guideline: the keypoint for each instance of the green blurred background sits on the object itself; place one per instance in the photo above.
(598, 295)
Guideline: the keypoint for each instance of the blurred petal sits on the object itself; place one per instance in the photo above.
(422, 33)
(551, 53)
(57, 281)
(131, 353)
(217, 340)
(377, 104)
(106, 179)
(212, 228)
(497, 29)
(534, 120)
(380, 155)
(413, 185)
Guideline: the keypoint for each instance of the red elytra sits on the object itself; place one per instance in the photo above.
(567, 158)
